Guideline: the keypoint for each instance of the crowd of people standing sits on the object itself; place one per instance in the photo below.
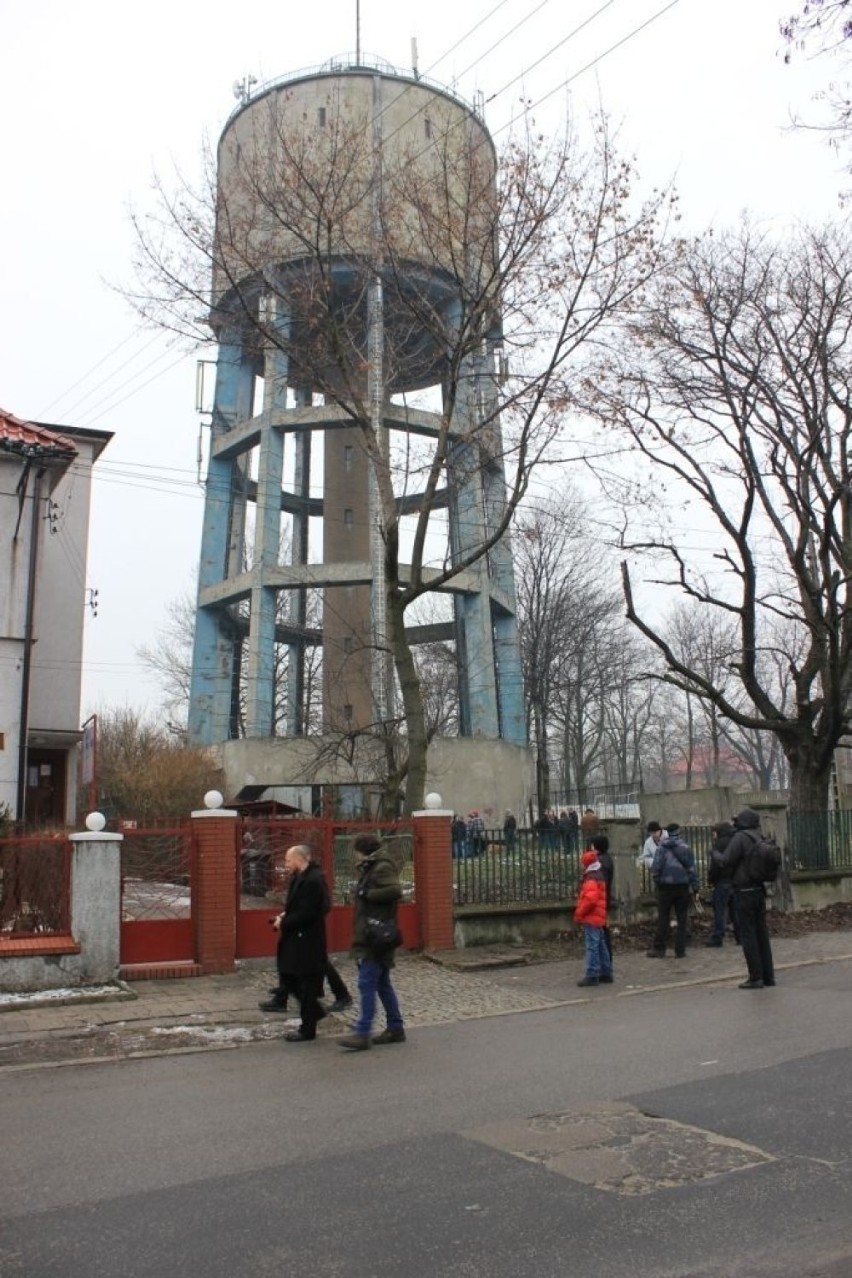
(738, 891)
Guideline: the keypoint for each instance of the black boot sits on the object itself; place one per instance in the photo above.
(274, 1004)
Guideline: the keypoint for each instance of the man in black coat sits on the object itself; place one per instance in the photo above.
(302, 954)
(720, 878)
(749, 901)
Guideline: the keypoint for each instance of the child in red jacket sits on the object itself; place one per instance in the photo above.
(591, 912)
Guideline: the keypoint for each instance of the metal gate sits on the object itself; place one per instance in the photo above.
(156, 905)
(262, 885)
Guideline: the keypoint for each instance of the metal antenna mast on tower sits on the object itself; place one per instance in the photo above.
(357, 32)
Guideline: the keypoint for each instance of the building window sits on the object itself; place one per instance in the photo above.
(347, 644)
(321, 117)
(347, 714)
(427, 127)
(348, 457)
(348, 519)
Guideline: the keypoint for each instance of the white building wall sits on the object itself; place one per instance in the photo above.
(13, 593)
(61, 601)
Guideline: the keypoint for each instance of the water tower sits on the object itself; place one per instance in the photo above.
(322, 178)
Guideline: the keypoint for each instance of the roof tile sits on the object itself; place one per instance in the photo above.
(21, 437)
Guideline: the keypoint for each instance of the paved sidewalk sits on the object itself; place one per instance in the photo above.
(221, 1011)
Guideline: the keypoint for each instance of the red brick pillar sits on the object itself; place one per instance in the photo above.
(214, 887)
(433, 877)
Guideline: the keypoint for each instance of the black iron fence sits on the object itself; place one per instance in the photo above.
(819, 841)
(526, 867)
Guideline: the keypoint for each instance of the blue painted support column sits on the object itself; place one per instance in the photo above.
(210, 718)
(260, 695)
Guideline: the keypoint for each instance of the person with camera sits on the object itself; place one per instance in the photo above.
(302, 955)
(676, 880)
(375, 937)
(749, 901)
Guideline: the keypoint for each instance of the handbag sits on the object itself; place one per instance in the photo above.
(382, 934)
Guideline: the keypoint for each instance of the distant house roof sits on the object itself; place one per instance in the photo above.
(27, 440)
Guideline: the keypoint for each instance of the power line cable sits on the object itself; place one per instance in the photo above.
(85, 375)
(600, 57)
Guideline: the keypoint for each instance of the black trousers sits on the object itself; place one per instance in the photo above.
(309, 991)
(336, 983)
(288, 985)
(672, 895)
(750, 907)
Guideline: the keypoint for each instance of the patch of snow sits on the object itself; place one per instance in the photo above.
(216, 1034)
(21, 998)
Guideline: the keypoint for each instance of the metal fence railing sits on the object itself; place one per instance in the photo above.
(264, 843)
(819, 841)
(35, 882)
(155, 874)
(529, 867)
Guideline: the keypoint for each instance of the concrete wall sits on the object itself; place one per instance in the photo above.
(820, 889)
(467, 772)
(691, 807)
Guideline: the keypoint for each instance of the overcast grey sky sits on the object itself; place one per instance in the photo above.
(96, 96)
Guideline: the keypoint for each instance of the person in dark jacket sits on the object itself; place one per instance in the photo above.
(589, 826)
(376, 897)
(600, 844)
(302, 953)
(510, 831)
(720, 878)
(459, 835)
(749, 902)
(675, 877)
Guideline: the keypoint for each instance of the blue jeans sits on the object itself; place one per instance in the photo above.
(598, 961)
(374, 979)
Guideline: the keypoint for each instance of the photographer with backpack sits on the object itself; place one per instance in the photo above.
(749, 858)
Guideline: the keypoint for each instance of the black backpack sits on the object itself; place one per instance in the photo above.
(763, 861)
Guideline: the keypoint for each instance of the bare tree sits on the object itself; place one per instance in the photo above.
(733, 391)
(572, 645)
(823, 28)
(631, 709)
(169, 657)
(523, 260)
(145, 773)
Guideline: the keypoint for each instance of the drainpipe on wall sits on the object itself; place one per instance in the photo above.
(28, 646)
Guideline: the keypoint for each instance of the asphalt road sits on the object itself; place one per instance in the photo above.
(480, 1150)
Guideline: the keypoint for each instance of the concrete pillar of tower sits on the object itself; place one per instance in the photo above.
(296, 655)
(468, 529)
(347, 697)
(210, 713)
